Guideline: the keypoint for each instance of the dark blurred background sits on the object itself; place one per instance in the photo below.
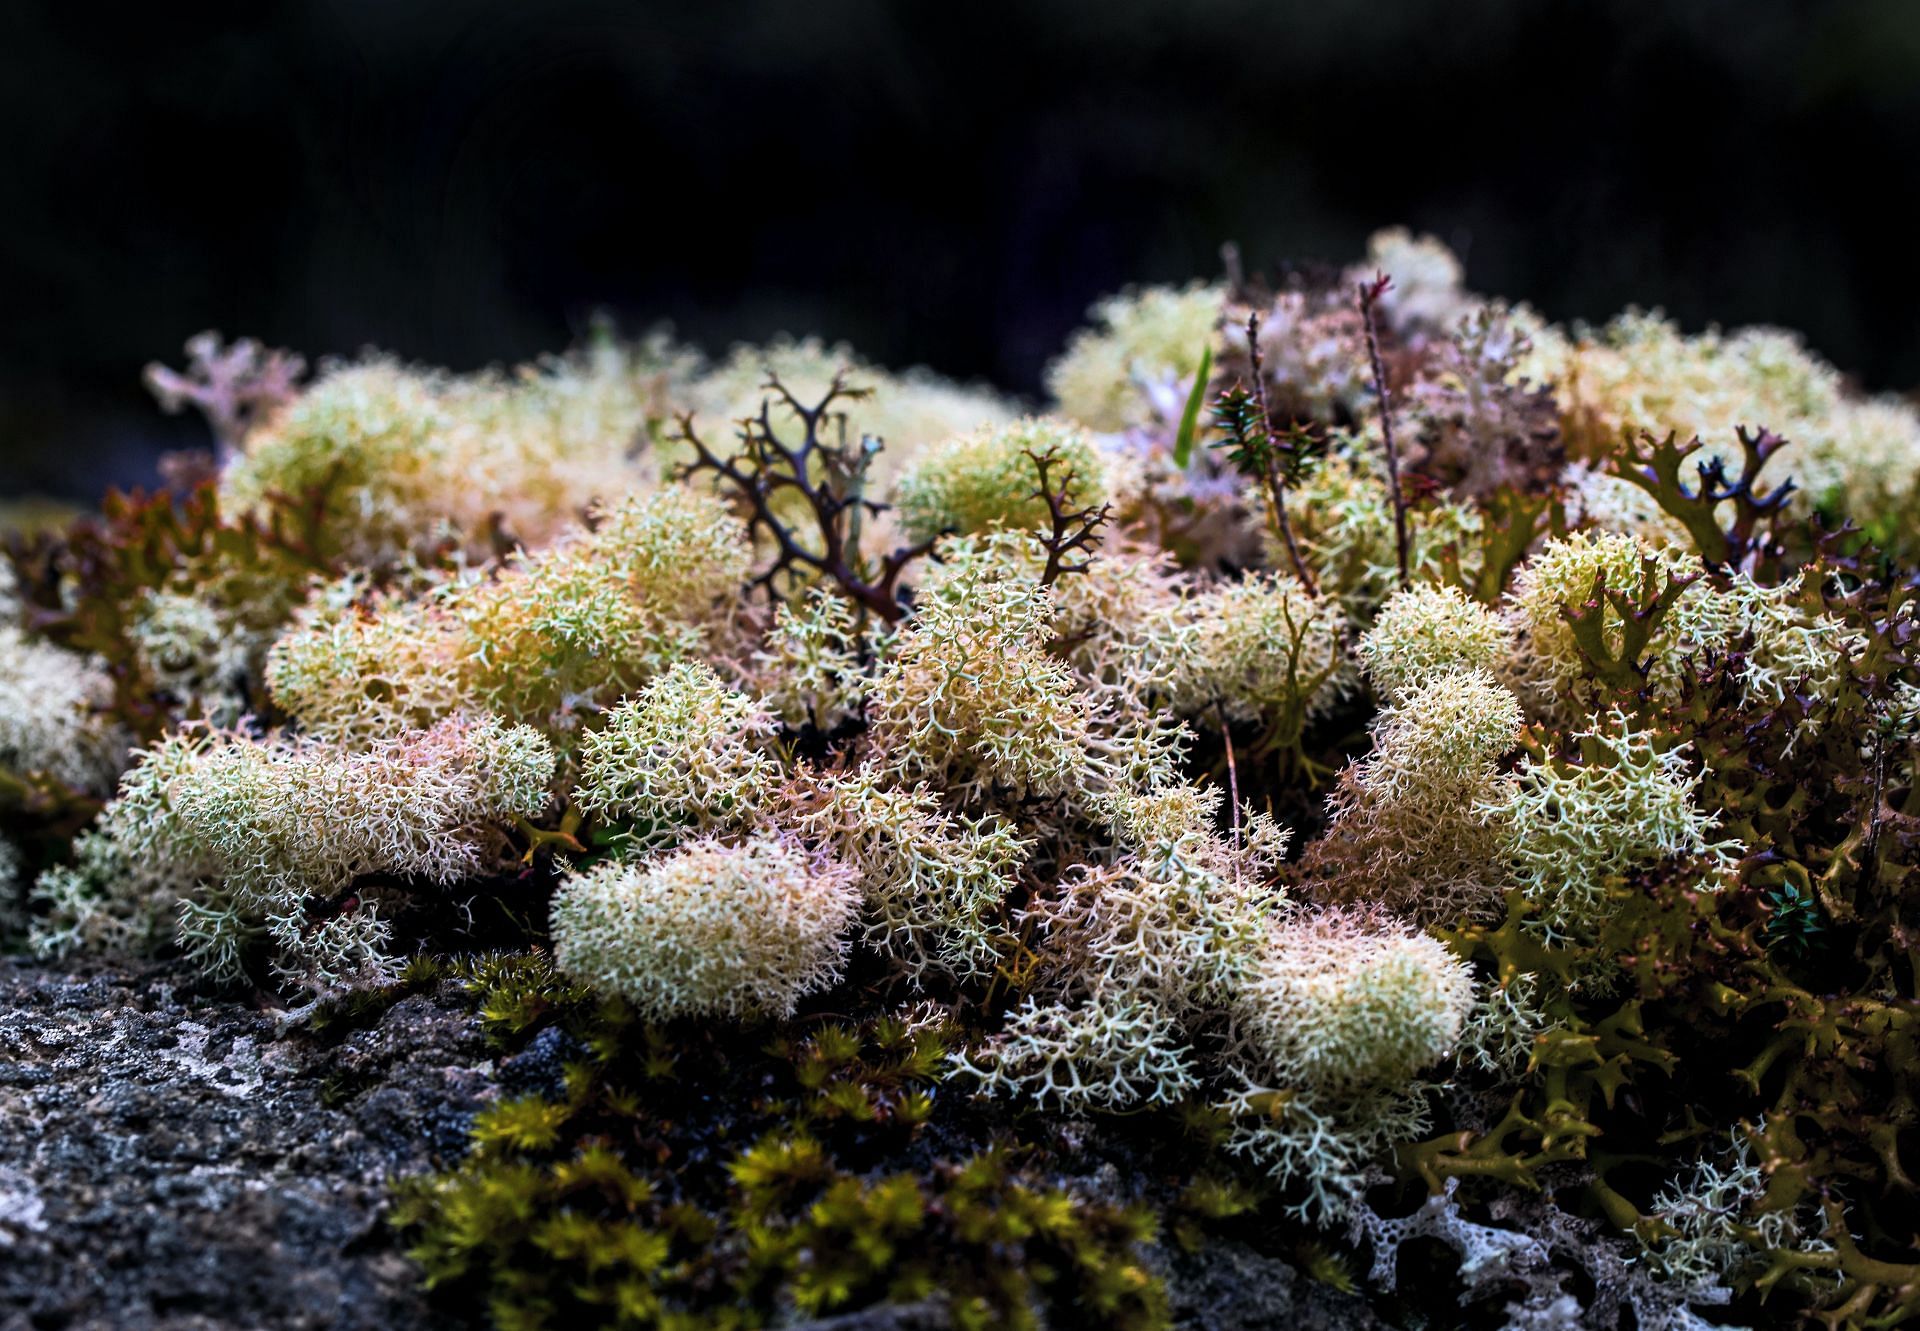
(462, 182)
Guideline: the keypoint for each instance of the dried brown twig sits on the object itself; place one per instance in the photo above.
(828, 478)
(1370, 293)
(1071, 528)
(1257, 452)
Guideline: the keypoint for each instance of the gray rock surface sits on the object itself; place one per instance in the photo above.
(1228, 1286)
(174, 1162)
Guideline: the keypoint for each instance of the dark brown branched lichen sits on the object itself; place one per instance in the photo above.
(823, 479)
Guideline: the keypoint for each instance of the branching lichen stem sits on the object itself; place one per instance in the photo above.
(1270, 473)
(1370, 293)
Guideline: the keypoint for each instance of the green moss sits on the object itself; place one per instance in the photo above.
(693, 1179)
(359, 1009)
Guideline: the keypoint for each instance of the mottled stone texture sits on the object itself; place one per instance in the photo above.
(171, 1161)
(1230, 1287)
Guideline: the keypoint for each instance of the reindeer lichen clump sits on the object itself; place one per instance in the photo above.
(1377, 763)
(735, 929)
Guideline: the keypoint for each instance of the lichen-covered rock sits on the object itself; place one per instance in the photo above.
(1228, 1286)
(176, 1162)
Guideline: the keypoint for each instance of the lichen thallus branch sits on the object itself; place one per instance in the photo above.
(1370, 294)
(1069, 529)
(830, 483)
(1256, 452)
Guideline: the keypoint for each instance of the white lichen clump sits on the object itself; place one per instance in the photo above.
(50, 705)
(1340, 1001)
(679, 757)
(991, 478)
(712, 929)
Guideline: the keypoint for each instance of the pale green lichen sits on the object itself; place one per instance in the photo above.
(678, 758)
(133, 867)
(1572, 827)
(809, 670)
(933, 881)
(1409, 829)
(573, 627)
(969, 697)
(1264, 648)
(1344, 522)
(1339, 1001)
(51, 705)
(547, 638)
(1139, 339)
(195, 655)
(1427, 630)
(741, 930)
(400, 455)
(1106, 1052)
(991, 478)
(267, 826)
